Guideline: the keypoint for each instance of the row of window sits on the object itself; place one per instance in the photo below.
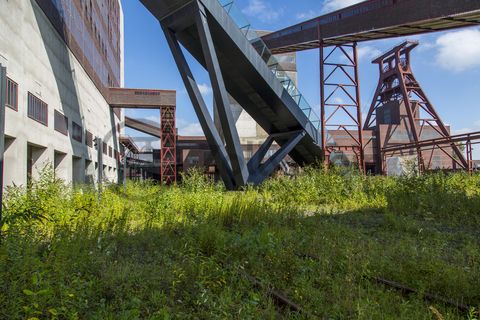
(99, 34)
(38, 111)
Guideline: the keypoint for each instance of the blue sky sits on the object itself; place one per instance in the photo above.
(447, 64)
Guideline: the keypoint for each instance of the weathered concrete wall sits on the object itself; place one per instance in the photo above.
(41, 63)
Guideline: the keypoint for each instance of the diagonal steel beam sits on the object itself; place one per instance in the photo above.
(222, 102)
(266, 169)
(257, 158)
(215, 142)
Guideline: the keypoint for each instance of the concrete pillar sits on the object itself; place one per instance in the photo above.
(78, 170)
(60, 165)
(89, 172)
(38, 157)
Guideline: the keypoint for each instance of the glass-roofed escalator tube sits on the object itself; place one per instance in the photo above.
(272, 63)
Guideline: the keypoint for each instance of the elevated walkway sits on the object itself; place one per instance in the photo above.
(143, 126)
(239, 63)
(373, 20)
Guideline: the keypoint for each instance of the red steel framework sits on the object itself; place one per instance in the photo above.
(397, 83)
(467, 140)
(340, 101)
(168, 138)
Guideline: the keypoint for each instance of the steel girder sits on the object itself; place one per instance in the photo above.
(259, 171)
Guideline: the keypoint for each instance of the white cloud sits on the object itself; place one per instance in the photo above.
(474, 128)
(186, 128)
(306, 15)
(338, 100)
(205, 89)
(192, 129)
(332, 5)
(262, 11)
(458, 50)
(153, 119)
(425, 45)
(462, 131)
(368, 52)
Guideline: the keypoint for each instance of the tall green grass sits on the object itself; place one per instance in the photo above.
(149, 251)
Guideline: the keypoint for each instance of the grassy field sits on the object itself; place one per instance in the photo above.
(200, 252)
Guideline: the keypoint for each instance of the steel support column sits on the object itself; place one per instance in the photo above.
(260, 172)
(257, 158)
(168, 140)
(229, 157)
(215, 142)
(222, 101)
(340, 101)
(469, 150)
(123, 156)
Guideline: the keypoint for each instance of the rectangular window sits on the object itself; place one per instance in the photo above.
(387, 116)
(193, 160)
(60, 123)
(12, 94)
(88, 138)
(37, 109)
(104, 148)
(77, 132)
(110, 152)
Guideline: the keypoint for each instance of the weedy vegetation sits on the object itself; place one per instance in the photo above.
(191, 251)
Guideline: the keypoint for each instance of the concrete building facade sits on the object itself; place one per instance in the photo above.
(61, 58)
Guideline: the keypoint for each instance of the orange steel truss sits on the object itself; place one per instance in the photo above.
(168, 138)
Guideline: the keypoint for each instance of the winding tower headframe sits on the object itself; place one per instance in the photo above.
(398, 83)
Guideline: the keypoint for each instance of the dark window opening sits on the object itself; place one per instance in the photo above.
(88, 138)
(12, 94)
(37, 109)
(60, 123)
(77, 132)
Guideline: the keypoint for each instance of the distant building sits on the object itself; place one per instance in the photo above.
(61, 57)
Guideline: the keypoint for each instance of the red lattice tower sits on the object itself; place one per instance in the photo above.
(340, 102)
(397, 83)
(168, 138)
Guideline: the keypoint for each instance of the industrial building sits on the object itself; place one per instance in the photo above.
(64, 77)
(61, 57)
